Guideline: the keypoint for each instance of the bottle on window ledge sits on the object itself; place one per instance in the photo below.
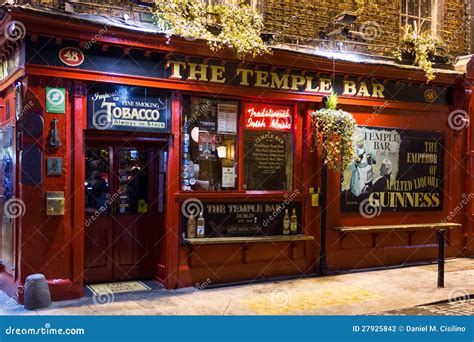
(286, 223)
(294, 222)
(191, 227)
(201, 229)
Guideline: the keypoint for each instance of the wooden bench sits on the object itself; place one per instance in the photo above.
(440, 229)
(245, 241)
(408, 228)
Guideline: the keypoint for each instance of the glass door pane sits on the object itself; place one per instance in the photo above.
(97, 181)
(133, 180)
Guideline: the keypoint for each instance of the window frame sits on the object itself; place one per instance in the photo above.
(434, 18)
(297, 131)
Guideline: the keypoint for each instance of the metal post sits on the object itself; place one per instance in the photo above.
(441, 241)
(323, 266)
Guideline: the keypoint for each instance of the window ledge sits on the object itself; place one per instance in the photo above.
(247, 239)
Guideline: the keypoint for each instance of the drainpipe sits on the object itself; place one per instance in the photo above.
(466, 65)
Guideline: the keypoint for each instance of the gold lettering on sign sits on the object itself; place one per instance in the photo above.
(309, 85)
(261, 79)
(217, 74)
(197, 72)
(271, 79)
(245, 76)
(280, 83)
(350, 88)
(297, 81)
(377, 90)
(363, 90)
(325, 85)
(175, 68)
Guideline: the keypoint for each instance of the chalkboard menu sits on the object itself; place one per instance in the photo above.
(394, 170)
(268, 160)
(247, 218)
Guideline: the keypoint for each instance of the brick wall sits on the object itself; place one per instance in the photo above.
(293, 19)
(307, 18)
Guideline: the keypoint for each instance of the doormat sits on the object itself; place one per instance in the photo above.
(118, 287)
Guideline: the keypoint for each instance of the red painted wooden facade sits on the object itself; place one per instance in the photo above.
(55, 245)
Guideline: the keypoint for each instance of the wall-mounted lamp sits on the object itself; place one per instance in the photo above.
(222, 152)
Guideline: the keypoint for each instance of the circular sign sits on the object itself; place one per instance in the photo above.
(430, 95)
(71, 56)
(55, 96)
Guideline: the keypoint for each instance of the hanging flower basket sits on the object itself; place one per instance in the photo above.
(335, 128)
(421, 48)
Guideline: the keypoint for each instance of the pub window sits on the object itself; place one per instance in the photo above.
(268, 147)
(421, 12)
(210, 139)
(209, 145)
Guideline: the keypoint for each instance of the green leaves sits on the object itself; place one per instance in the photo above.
(422, 45)
(239, 26)
(336, 128)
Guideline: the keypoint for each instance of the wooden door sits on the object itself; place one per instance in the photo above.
(122, 212)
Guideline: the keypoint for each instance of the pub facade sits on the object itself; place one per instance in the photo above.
(129, 156)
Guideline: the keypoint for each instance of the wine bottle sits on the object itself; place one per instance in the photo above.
(286, 223)
(191, 226)
(294, 222)
(201, 226)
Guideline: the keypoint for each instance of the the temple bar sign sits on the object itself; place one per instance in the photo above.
(298, 82)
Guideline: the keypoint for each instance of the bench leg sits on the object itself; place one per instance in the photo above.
(441, 241)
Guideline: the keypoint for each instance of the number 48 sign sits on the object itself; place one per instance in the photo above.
(71, 56)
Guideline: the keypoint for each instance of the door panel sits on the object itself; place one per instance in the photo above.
(122, 241)
(99, 223)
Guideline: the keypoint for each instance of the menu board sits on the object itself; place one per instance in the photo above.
(227, 118)
(394, 170)
(248, 218)
(268, 160)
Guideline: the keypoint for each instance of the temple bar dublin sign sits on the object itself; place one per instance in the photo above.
(247, 218)
(192, 69)
(112, 107)
(394, 170)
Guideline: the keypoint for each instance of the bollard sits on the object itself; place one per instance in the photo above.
(441, 241)
(37, 293)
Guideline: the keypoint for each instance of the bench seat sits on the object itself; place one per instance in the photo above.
(397, 227)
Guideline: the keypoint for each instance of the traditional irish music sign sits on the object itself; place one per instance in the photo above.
(268, 117)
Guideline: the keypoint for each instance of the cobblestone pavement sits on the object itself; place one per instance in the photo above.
(395, 291)
(461, 307)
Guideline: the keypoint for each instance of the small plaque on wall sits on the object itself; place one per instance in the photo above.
(54, 166)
